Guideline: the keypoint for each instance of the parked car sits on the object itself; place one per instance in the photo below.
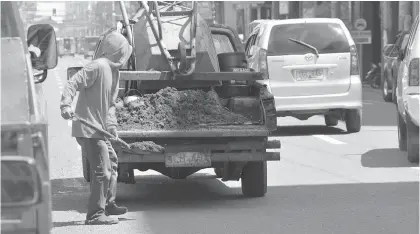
(311, 67)
(255, 23)
(390, 64)
(408, 95)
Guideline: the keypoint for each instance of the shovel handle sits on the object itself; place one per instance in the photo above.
(103, 132)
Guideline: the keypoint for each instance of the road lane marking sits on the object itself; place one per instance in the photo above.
(329, 139)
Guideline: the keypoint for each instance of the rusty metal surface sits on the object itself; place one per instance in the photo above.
(273, 144)
(205, 76)
(14, 81)
(215, 157)
(216, 131)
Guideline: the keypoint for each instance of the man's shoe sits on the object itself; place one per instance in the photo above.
(113, 209)
(102, 220)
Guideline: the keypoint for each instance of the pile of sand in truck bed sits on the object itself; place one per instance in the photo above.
(148, 146)
(171, 109)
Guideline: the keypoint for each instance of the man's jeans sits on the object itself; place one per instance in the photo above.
(103, 163)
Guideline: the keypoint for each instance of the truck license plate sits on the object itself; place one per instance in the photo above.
(305, 75)
(187, 159)
(239, 69)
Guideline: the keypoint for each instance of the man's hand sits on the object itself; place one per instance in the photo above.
(67, 113)
(35, 50)
(113, 131)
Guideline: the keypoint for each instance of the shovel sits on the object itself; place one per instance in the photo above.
(108, 135)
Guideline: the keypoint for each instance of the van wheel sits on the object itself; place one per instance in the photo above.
(402, 133)
(412, 141)
(394, 92)
(86, 167)
(353, 120)
(386, 95)
(330, 121)
(254, 179)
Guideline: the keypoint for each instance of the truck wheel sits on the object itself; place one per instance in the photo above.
(386, 95)
(254, 179)
(412, 141)
(353, 120)
(219, 172)
(86, 167)
(330, 121)
(402, 133)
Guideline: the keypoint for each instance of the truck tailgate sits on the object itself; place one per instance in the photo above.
(200, 132)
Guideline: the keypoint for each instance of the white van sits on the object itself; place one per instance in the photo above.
(407, 93)
(311, 67)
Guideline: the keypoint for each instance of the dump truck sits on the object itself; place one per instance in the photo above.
(175, 56)
(25, 179)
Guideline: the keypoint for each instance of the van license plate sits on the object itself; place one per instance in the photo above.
(187, 159)
(305, 75)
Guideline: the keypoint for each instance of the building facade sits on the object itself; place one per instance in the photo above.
(384, 19)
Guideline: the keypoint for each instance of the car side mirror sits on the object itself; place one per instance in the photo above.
(21, 185)
(42, 44)
(72, 70)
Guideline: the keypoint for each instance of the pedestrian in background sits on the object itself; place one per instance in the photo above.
(98, 84)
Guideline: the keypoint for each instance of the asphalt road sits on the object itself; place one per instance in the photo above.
(327, 181)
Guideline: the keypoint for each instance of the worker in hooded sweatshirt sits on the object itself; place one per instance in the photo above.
(98, 84)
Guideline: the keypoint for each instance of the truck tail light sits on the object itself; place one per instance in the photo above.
(354, 61)
(413, 72)
(263, 63)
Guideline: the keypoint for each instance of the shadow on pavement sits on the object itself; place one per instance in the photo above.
(306, 130)
(206, 205)
(73, 194)
(79, 223)
(386, 158)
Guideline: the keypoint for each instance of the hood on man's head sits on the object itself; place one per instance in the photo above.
(116, 49)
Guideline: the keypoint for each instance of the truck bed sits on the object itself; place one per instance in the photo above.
(200, 132)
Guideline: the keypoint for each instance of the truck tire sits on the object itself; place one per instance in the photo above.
(254, 179)
(219, 172)
(402, 133)
(353, 120)
(412, 141)
(330, 121)
(86, 167)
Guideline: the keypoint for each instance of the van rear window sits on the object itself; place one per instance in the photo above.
(326, 37)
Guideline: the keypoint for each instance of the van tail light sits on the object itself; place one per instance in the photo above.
(263, 63)
(413, 72)
(354, 61)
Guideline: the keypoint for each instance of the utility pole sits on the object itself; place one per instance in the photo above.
(275, 10)
(336, 9)
(294, 9)
(114, 14)
(404, 22)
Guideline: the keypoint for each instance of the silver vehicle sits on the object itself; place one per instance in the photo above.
(408, 95)
(311, 67)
